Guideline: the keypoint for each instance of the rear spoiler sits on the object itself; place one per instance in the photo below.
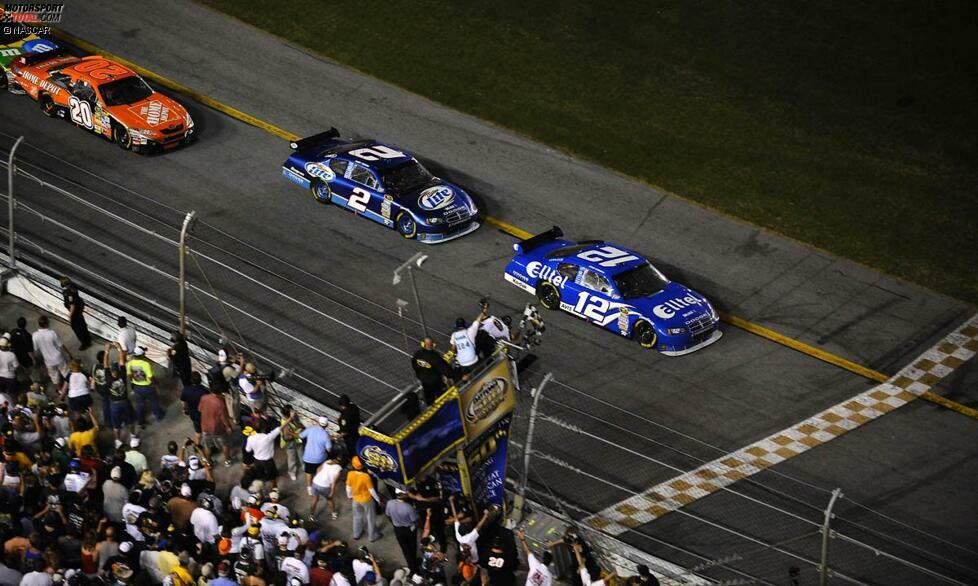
(35, 58)
(540, 239)
(322, 137)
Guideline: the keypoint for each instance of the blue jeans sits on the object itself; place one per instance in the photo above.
(144, 395)
(120, 413)
(106, 411)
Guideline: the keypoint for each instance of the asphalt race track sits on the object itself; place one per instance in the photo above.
(313, 285)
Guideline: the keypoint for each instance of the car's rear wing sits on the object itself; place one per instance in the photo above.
(315, 140)
(537, 241)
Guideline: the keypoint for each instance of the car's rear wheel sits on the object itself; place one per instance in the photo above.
(406, 225)
(321, 192)
(121, 137)
(644, 334)
(46, 103)
(548, 295)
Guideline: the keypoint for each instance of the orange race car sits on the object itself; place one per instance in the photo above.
(103, 97)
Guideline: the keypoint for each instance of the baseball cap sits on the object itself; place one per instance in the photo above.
(248, 430)
(185, 490)
(139, 351)
(125, 546)
(253, 530)
(134, 441)
(116, 473)
(273, 495)
(370, 578)
(60, 442)
(399, 491)
(357, 464)
(323, 421)
(4, 341)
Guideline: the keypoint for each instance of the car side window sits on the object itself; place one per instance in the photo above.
(596, 282)
(567, 270)
(83, 91)
(338, 166)
(363, 176)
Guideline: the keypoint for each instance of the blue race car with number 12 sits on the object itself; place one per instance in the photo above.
(383, 184)
(614, 288)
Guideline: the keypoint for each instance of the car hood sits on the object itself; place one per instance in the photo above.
(437, 199)
(673, 306)
(153, 113)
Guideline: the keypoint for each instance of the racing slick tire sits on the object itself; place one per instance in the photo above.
(321, 192)
(548, 295)
(644, 334)
(406, 225)
(121, 137)
(47, 105)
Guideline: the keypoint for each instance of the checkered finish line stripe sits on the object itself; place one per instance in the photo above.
(910, 383)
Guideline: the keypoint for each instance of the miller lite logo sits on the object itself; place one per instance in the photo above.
(435, 198)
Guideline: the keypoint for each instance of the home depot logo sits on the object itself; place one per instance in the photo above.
(154, 112)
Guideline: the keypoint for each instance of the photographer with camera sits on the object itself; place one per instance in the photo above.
(251, 385)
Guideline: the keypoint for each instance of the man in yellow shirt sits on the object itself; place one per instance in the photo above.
(139, 372)
(360, 490)
(85, 434)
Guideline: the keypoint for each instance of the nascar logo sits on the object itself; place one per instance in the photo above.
(669, 308)
(154, 112)
(485, 401)
(435, 198)
(320, 170)
(376, 457)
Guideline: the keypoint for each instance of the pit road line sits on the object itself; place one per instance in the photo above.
(502, 226)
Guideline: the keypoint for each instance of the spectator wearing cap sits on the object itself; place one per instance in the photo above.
(463, 342)
(294, 568)
(360, 490)
(466, 535)
(404, 519)
(76, 388)
(182, 506)
(262, 446)
(204, 522)
(190, 396)
(223, 575)
(215, 424)
(136, 458)
(139, 372)
(76, 312)
(317, 447)
(115, 496)
(53, 351)
(250, 387)
(8, 367)
(273, 503)
(324, 485)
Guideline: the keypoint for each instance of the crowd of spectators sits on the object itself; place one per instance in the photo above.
(80, 504)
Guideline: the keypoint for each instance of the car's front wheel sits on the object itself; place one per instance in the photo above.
(321, 192)
(548, 295)
(406, 225)
(121, 137)
(644, 334)
(46, 103)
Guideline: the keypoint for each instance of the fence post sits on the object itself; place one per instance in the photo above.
(183, 273)
(415, 260)
(10, 204)
(826, 531)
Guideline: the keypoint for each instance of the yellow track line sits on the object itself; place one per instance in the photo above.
(505, 227)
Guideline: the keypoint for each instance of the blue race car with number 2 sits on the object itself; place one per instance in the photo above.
(381, 183)
(614, 288)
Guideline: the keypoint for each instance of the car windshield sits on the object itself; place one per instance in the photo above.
(127, 90)
(641, 281)
(406, 177)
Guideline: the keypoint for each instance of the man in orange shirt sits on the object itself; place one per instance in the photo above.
(360, 490)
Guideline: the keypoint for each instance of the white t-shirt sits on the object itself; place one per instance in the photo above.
(131, 512)
(48, 343)
(360, 569)
(205, 525)
(294, 568)
(469, 540)
(262, 445)
(77, 385)
(283, 511)
(539, 574)
(127, 339)
(327, 475)
(495, 328)
(464, 342)
(339, 580)
(8, 364)
(270, 530)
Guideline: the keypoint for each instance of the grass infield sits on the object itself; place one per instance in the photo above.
(850, 126)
